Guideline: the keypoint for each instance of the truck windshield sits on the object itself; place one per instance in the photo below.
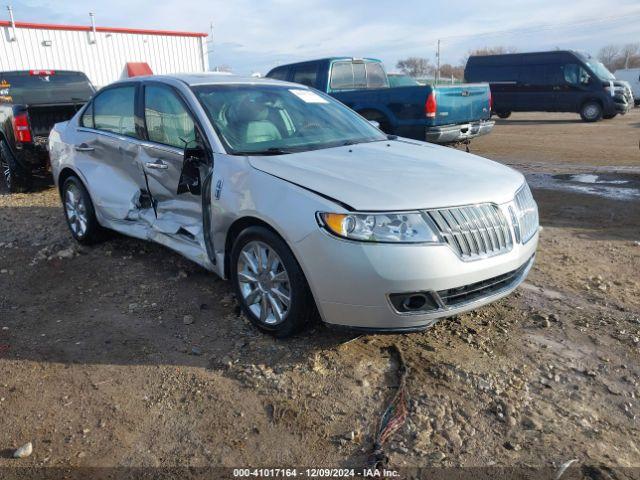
(273, 119)
(600, 70)
(37, 87)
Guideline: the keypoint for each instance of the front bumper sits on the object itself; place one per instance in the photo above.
(352, 288)
(458, 133)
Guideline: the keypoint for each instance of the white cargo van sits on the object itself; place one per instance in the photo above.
(631, 75)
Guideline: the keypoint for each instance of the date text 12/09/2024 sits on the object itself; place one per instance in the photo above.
(315, 473)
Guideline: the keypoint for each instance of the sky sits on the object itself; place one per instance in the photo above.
(255, 35)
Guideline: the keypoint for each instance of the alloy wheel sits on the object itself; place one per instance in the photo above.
(591, 111)
(264, 283)
(6, 173)
(76, 211)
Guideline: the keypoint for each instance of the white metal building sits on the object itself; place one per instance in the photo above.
(102, 53)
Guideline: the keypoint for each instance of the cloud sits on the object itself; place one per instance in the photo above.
(255, 36)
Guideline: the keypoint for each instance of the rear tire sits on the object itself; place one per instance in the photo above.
(79, 212)
(8, 169)
(273, 292)
(503, 115)
(591, 112)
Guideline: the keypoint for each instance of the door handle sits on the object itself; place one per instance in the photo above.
(83, 147)
(156, 165)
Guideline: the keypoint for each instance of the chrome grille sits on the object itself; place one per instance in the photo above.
(527, 213)
(475, 231)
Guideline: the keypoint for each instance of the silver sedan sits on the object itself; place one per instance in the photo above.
(305, 206)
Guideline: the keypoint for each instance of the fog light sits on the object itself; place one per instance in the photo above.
(413, 302)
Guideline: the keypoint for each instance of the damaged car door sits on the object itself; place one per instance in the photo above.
(106, 151)
(173, 164)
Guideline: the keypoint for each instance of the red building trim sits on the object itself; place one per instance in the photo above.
(83, 28)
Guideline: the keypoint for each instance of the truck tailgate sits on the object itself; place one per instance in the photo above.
(462, 103)
(42, 118)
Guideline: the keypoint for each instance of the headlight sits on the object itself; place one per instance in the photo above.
(411, 227)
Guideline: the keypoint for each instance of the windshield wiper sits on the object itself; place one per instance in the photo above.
(268, 151)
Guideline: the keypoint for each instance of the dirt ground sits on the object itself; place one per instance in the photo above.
(98, 367)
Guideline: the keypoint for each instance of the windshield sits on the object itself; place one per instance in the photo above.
(274, 119)
(600, 70)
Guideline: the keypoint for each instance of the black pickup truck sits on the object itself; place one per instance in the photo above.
(31, 102)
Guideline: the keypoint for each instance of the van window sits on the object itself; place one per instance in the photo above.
(375, 76)
(550, 74)
(574, 74)
(306, 74)
(488, 73)
(280, 73)
(113, 110)
(168, 120)
(341, 76)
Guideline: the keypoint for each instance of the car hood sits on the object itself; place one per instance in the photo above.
(395, 175)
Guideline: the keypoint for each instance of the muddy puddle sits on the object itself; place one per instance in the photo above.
(616, 186)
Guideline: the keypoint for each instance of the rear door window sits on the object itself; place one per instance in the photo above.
(341, 76)
(113, 110)
(306, 74)
(167, 119)
(376, 77)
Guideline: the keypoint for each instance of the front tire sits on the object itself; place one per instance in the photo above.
(79, 212)
(269, 284)
(503, 115)
(591, 112)
(610, 116)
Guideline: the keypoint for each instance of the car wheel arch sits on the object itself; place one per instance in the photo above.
(64, 174)
(68, 172)
(592, 100)
(236, 228)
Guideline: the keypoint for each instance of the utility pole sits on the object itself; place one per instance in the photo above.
(12, 21)
(438, 63)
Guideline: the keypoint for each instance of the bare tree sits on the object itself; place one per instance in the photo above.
(415, 66)
(615, 57)
(630, 55)
(608, 55)
(483, 51)
(447, 71)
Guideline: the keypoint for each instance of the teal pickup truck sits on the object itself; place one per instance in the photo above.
(442, 114)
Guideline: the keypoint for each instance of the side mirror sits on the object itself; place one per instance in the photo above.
(195, 155)
(375, 123)
(195, 152)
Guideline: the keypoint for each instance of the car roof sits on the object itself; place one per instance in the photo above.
(211, 78)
